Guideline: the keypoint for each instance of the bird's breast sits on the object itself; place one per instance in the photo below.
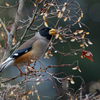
(39, 48)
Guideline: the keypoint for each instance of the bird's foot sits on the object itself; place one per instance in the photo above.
(21, 73)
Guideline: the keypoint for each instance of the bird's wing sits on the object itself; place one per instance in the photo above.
(10, 61)
(20, 52)
(24, 48)
(28, 42)
(16, 54)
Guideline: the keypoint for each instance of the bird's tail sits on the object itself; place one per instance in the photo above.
(6, 64)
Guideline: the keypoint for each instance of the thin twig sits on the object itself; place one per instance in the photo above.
(13, 30)
(29, 25)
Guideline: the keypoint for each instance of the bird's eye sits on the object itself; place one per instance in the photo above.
(46, 29)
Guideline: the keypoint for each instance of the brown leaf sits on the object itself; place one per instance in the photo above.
(86, 44)
(13, 41)
(50, 54)
(79, 70)
(40, 70)
(73, 39)
(0, 25)
(0, 46)
(87, 33)
(45, 5)
(63, 9)
(80, 31)
(51, 4)
(79, 18)
(83, 36)
(68, 12)
(60, 14)
(76, 32)
(45, 14)
(87, 54)
(60, 38)
(7, 4)
(29, 92)
(38, 83)
(65, 18)
(34, 4)
(81, 13)
(81, 45)
(75, 68)
(45, 23)
(23, 97)
(89, 42)
(56, 36)
(2, 84)
(31, 68)
(2, 34)
(43, 17)
(72, 81)
(82, 56)
(38, 97)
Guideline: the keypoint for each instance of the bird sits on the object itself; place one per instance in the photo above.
(32, 49)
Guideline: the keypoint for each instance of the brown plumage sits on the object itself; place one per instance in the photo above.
(32, 49)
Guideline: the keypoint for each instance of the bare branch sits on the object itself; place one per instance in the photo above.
(13, 30)
(4, 27)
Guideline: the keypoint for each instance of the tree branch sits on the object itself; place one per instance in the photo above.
(13, 30)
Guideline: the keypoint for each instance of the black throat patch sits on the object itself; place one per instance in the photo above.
(45, 32)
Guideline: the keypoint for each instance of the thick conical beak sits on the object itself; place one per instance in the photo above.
(52, 31)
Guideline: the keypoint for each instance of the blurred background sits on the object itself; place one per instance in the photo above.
(90, 70)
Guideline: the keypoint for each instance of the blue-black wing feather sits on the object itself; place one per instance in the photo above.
(20, 52)
(17, 54)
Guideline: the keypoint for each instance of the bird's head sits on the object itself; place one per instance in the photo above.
(47, 32)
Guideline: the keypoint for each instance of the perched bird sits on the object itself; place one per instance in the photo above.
(32, 49)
